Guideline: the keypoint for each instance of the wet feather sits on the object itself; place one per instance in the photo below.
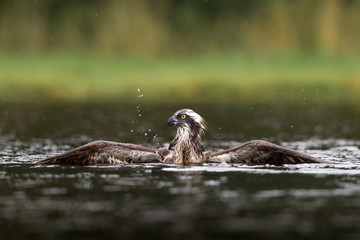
(185, 148)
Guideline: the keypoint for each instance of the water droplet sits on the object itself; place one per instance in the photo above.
(140, 95)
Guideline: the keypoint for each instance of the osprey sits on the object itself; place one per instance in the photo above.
(185, 148)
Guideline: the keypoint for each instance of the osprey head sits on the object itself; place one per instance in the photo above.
(187, 118)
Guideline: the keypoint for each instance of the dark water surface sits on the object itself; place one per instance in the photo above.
(170, 202)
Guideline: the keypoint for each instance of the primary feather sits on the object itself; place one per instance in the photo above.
(261, 152)
(105, 152)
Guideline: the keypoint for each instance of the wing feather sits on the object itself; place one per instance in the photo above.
(105, 152)
(261, 152)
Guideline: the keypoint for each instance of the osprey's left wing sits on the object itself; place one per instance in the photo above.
(261, 152)
(105, 152)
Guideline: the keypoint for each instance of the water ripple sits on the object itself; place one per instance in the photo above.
(344, 155)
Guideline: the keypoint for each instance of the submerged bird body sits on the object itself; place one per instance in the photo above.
(186, 148)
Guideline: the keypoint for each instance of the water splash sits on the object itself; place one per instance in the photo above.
(140, 94)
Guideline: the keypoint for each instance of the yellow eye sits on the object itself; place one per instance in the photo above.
(183, 116)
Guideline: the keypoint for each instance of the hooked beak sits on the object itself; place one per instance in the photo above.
(172, 121)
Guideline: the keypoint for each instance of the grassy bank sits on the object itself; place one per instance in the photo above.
(226, 77)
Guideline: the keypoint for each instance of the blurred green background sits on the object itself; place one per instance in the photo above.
(179, 51)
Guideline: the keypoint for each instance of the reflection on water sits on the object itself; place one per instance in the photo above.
(215, 201)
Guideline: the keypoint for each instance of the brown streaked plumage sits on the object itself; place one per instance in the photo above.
(261, 152)
(106, 152)
(185, 148)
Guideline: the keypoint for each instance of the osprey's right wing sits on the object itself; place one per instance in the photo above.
(261, 152)
(105, 152)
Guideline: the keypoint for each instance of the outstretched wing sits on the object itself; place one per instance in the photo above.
(261, 152)
(105, 152)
